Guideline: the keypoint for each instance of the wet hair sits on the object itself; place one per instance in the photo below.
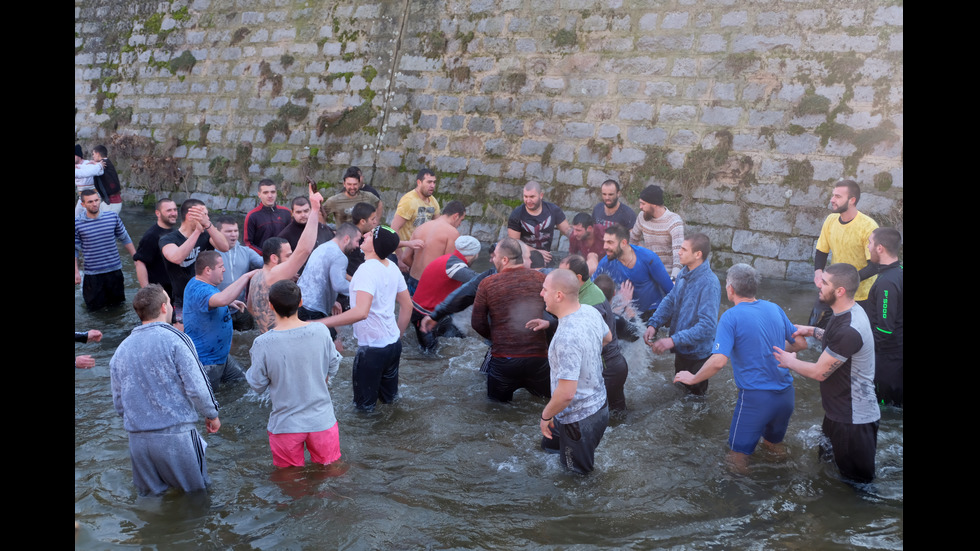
(185, 207)
(532, 186)
(266, 183)
(606, 285)
(700, 243)
(888, 238)
(743, 279)
(361, 211)
(89, 193)
(159, 205)
(423, 173)
(206, 259)
(844, 275)
(613, 182)
(349, 230)
(225, 220)
(537, 259)
(853, 189)
(454, 207)
(620, 232)
(285, 296)
(577, 264)
(272, 246)
(510, 248)
(352, 172)
(148, 301)
(101, 150)
(298, 201)
(583, 219)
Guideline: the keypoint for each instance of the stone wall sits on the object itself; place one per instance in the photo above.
(744, 111)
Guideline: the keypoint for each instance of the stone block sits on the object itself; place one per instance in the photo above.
(566, 108)
(811, 19)
(734, 19)
(572, 176)
(627, 155)
(648, 22)
(666, 42)
(722, 116)
(533, 147)
(764, 43)
(677, 113)
(718, 214)
(514, 127)
(770, 220)
(542, 174)
(536, 105)
(801, 272)
(772, 169)
(769, 268)
(809, 222)
(581, 130)
(850, 17)
(675, 20)
(636, 111)
(756, 244)
(449, 164)
(563, 152)
(590, 87)
(710, 43)
(842, 43)
(497, 146)
(642, 135)
(890, 15)
(724, 91)
(796, 248)
(453, 122)
(766, 118)
(684, 67)
(660, 89)
(684, 138)
(827, 169)
(802, 144)
(481, 124)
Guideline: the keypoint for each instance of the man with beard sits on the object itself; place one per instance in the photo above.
(586, 239)
(639, 266)
(886, 315)
(845, 232)
(846, 371)
(611, 211)
(535, 221)
(417, 206)
(659, 230)
(150, 265)
(340, 205)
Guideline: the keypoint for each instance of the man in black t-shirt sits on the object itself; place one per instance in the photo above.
(151, 267)
(181, 247)
(535, 221)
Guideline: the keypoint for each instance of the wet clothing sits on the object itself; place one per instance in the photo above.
(323, 278)
(537, 230)
(375, 374)
(239, 260)
(209, 328)
(577, 247)
(101, 290)
(886, 316)
(148, 252)
(103, 284)
(441, 277)
(760, 414)
(462, 298)
(664, 236)
(264, 222)
(576, 442)
(504, 303)
(648, 276)
(624, 216)
(615, 369)
(158, 387)
(182, 273)
(849, 243)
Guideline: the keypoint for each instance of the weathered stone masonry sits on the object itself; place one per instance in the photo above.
(745, 111)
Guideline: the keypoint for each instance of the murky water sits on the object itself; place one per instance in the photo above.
(445, 468)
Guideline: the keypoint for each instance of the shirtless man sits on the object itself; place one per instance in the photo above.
(439, 236)
(280, 262)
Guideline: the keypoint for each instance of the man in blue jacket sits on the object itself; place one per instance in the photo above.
(691, 310)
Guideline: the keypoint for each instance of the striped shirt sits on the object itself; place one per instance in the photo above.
(95, 238)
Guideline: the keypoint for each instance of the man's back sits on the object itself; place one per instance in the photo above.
(439, 237)
(511, 298)
(746, 334)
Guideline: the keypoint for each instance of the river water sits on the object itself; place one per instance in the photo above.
(445, 468)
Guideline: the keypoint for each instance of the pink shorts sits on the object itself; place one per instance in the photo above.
(287, 448)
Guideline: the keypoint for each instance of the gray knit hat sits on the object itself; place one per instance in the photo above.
(468, 245)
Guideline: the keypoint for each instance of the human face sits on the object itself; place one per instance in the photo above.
(612, 246)
(285, 252)
(873, 250)
(610, 197)
(301, 213)
(367, 243)
(840, 201)
(426, 186)
(91, 203)
(828, 293)
(549, 294)
(167, 214)
(686, 255)
(96, 156)
(647, 209)
(581, 233)
(267, 195)
(532, 200)
(230, 231)
(217, 273)
(351, 186)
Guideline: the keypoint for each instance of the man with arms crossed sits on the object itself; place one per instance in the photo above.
(766, 398)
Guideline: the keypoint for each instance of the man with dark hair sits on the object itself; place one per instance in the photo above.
(886, 304)
(341, 205)
(85, 173)
(158, 387)
(691, 311)
(267, 219)
(417, 206)
(325, 277)
(295, 361)
(180, 247)
(611, 210)
(151, 267)
(107, 183)
(535, 220)
(239, 259)
(301, 213)
(586, 240)
(442, 276)
(845, 232)
(356, 173)
(375, 289)
(96, 234)
(439, 237)
(504, 304)
(746, 333)
(846, 371)
(279, 262)
(641, 267)
(207, 318)
(659, 229)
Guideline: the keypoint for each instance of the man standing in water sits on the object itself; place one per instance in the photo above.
(576, 417)
(846, 371)
(96, 233)
(158, 386)
(886, 316)
(746, 332)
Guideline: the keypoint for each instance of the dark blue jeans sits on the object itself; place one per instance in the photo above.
(375, 375)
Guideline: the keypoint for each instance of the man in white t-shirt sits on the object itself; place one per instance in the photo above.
(374, 289)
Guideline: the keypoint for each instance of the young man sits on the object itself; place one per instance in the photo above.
(96, 233)
(267, 219)
(576, 417)
(339, 206)
(180, 247)
(438, 236)
(107, 184)
(586, 240)
(641, 267)
(766, 398)
(534, 222)
(151, 267)
(238, 260)
(658, 229)
(611, 210)
(417, 206)
(886, 305)
(158, 387)
(300, 211)
(375, 289)
(295, 361)
(691, 311)
(846, 370)
(441, 277)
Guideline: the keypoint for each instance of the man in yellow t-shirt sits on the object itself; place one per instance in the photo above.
(417, 206)
(845, 233)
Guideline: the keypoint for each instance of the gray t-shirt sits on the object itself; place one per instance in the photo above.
(294, 364)
(324, 277)
(575, 354)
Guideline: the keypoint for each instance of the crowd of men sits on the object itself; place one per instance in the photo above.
(554, 327)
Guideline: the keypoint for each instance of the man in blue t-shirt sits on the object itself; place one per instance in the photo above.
(207, 319)
(641, 267)
(747, 333)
